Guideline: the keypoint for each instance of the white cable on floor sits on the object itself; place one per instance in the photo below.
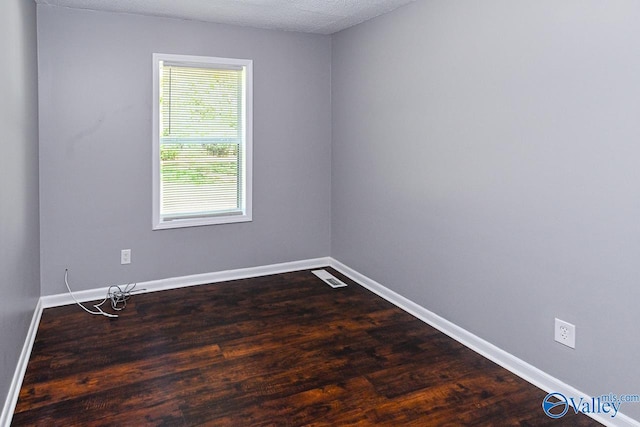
(117, 295)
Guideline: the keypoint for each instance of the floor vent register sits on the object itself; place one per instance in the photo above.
(329, 279)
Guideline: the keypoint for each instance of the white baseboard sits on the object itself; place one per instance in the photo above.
(508, 361)
(21, 368)
(150, 286)
(513, 364)
(192, 280)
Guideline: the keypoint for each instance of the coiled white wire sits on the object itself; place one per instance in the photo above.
(115, 294)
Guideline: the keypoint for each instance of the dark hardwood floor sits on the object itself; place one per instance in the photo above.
(277, 350)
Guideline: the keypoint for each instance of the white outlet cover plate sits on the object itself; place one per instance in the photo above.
(567, 338)
(125, 256)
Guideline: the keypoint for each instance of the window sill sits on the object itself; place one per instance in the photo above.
(198, 222)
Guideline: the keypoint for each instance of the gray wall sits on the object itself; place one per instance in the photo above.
(95, 149)
(19, 242)
(486, 166)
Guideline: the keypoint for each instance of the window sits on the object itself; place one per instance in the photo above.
(202, 137)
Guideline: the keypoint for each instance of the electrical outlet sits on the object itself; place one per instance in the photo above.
(565, 333)
(125, 256)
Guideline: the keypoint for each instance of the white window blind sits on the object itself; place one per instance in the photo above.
(202, 141)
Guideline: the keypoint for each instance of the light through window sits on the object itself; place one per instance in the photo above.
(202, 140)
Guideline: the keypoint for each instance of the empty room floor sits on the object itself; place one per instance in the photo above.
(285, 349)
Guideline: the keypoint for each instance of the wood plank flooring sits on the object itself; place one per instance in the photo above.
(278, 350)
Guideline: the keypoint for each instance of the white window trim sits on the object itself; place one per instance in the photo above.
(246, 216)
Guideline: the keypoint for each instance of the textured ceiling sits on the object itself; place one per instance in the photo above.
(310, 16)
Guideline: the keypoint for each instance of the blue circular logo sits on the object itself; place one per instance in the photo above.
(555, 405)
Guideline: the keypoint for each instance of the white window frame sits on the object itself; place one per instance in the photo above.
(209, 62)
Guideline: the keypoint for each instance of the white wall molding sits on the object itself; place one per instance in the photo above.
(185, 281)
(150, 286)
(21, 368)
(513, 364)
(508, 361)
